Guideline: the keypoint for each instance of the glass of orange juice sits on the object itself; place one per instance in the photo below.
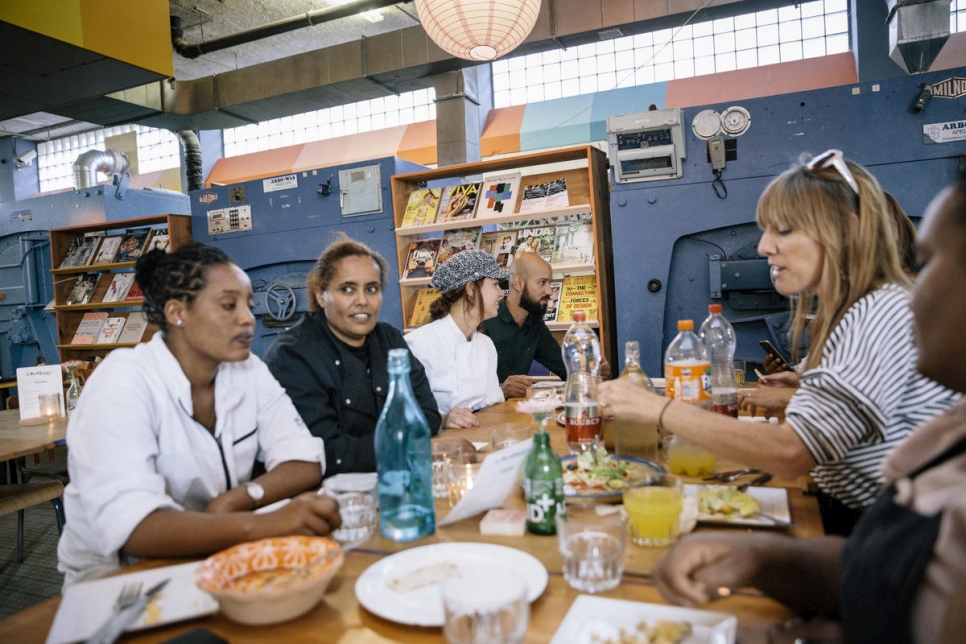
(653, 512)
(687, 459)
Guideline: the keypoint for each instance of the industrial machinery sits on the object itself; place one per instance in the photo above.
(276, 228)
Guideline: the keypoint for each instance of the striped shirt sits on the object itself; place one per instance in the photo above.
(864, 397)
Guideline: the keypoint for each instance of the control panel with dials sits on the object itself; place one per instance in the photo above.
(230, 220)
(646, 146)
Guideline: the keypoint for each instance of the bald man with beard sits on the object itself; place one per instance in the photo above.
(519, 332)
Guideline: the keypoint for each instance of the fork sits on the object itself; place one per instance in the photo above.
(128, 597)
(728, 477)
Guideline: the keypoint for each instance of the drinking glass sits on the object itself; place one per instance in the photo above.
(461, 473)
(653, 512)
(50, 405)
(740, 372)
(592, 539)
(506, 434)
(687, 459)
(489, 605)
(443, 453)
(357, 505)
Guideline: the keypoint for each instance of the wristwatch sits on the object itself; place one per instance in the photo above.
(255, 491)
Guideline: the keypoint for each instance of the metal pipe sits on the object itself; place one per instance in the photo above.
(89, 163)
(194, 50)
(192, 160)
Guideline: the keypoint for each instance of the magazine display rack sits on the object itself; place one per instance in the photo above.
(586, 196)
(69, 313)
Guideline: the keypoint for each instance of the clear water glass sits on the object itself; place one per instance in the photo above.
(506, 434)
(486, 607)
(592, 540)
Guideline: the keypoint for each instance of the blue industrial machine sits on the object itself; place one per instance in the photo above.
(276, 228)
(682, 243)
(28, 327)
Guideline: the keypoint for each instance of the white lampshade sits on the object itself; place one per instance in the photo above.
(478, 29)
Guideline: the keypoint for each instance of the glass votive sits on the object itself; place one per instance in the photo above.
(443, 453)
(357, 505)
(461, 473)
(485, 607)
(653, 512)
(506, 434)
(592, 539)
(49, 405)
(739, 372)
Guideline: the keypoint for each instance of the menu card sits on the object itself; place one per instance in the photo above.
(497, 477)
(34, 381)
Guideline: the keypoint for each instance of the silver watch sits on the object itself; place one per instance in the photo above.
(255, 491)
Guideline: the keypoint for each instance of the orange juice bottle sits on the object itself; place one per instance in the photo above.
(687, 376)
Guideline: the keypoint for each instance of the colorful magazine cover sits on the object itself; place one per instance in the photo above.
(132, 244)
(458, 202)
(83, 288)
(421, 260)
(421, 208)
(536, 240)
(108, 250)
(499, 196)
(456, 241)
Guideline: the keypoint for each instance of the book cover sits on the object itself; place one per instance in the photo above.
(458, 202)
(159, 239)
(83, 289)
(421, 208)
(574, 243)
(120, 284)
(456, 241)
(107, 250)
(536, 240)
(500, 244)
(134, 328)
(132, 244)
(89, 327)
(499, 195)
(550, 315)
(578, 293)
(110, 331)
(421, 261)
(134, 293)
(424, 299)
(81, 251)
(557, 196)
(534, 197)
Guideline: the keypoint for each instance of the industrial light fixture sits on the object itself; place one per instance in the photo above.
(478, 29)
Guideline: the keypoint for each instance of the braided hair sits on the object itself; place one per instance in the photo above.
(178, 275)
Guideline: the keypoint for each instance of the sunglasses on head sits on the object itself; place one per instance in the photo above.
(834, 159)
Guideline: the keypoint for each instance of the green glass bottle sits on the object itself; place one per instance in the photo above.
(543, 486)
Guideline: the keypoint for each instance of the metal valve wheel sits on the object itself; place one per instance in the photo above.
(280, 301)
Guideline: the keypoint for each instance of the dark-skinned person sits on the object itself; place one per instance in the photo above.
(165, 435)
(901, 576)
(830, 241)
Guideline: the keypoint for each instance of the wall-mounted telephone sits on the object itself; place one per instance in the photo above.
(716, 152)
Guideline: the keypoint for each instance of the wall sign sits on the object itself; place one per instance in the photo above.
(275, 184)
(950, 88)
(944, 132)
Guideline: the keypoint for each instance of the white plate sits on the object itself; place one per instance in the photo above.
(423, 606)
(597, 619)
(85, 606)
(774, 501)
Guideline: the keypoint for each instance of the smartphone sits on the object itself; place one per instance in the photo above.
(770, 348)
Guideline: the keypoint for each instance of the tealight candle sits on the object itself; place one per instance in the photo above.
(49, 405)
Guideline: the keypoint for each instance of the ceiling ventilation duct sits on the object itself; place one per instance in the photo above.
(918, 29)
(91, 162)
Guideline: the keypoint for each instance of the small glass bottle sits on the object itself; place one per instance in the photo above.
(543, 486)
(581, 355)
(633, 438)
(73, 391)
(404, 460)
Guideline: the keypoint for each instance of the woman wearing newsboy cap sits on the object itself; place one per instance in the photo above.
(460, 362)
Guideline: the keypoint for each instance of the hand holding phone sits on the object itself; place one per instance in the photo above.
(784, 364)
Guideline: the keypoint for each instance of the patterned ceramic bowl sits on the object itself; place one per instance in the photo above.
(268, 581)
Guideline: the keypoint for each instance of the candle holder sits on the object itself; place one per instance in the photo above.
(50, 406)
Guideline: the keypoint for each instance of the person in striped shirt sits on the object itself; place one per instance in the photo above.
(830, 241)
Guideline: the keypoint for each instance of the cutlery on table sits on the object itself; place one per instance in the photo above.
(775, 520)
(728, 477)
(761, 479)
(128, 607)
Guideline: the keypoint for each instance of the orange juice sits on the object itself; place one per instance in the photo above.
(687, 459)
(653, 513)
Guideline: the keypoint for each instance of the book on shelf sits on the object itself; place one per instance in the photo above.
(89, 327)
(574, 243)
(159, 239)
(456, 241)
(119, 286)
(132, 244)
(550, 315)
(133, 331)
(578, 293)
(110, 331)
(107, 251)
(499, 195)
(536, 240)
(83, 289)
(134, 293)
(424, 299)
(500, 244)
(421, 207)
(458, 202)
(81, 250)
(421, 260)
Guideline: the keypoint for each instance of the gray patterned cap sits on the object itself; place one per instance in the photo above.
(464, 267)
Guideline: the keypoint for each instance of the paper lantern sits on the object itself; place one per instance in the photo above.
(478, 29)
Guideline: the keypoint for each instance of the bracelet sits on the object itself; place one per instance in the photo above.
(660, 418)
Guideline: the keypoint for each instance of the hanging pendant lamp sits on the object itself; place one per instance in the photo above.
(478, 29)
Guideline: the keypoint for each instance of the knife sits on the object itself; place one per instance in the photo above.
(117, 622)
(762, 478)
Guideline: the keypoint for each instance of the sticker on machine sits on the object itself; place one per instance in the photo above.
(275, 184)
(944, 132)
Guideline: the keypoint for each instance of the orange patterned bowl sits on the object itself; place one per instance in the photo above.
(269, 581)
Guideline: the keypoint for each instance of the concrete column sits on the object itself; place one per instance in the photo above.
(462, 100)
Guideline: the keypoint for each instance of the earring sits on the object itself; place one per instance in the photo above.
(180, 323)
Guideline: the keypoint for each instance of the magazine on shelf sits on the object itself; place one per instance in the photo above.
(137, 323)
(421, 260)
(578, 293)
(536, 240)
(421, 208)
(159, 239)
(81, 250)
(424, 299)
(83, 288)
(499, 195)
(110, 331)
(456, 241)
(134, 293)
(120, 284)
(545, 196)
(550, 315)
(133, 243)
(500, 244)
(574, 243)
(89, 327)
(107, 250)
(458, 202)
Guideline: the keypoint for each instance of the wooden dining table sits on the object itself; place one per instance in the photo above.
(340, 617)
(18, 440)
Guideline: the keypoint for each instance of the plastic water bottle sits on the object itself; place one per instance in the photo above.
(73, 391)
(404, 459)
(687, 375)
(719, 336)
(581, 355)
(632, 438)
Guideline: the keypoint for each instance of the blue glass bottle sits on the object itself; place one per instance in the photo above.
(404, 460)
